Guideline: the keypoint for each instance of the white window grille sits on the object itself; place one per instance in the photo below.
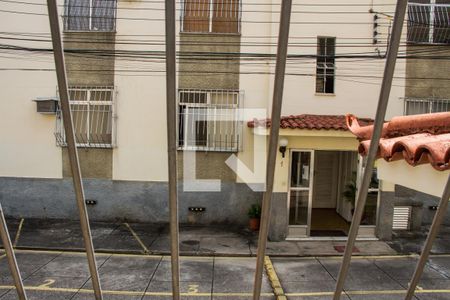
(325, 68)
(414, 106)
(93, 117)
(402, 218)
(208, 120)
(429, 21)
(90, 15)
(214, 16)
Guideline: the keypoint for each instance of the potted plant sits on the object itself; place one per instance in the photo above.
(254, 213)
(350, 191)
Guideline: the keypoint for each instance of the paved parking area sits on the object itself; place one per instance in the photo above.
(64, 275)
(370, 278)
(59, 275)
(138, 238)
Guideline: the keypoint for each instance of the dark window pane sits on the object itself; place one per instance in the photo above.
(301, 163)
(298, 208)
(326, 49)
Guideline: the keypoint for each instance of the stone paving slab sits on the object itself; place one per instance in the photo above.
(61, 275)
(367, 278)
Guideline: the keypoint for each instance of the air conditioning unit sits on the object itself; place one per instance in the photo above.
(46, 105)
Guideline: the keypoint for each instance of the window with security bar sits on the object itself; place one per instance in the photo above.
(92, 115)
(415, 106)
(325, 67)
(429, 21)
(214, 16)
(208, 120)
(90, 15)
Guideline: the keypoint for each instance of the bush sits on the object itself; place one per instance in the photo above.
(254, 211)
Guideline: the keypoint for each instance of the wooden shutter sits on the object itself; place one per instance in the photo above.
(225, 16)
(196, 16)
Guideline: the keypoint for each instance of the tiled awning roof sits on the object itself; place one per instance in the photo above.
(317, 122)
(417, 139)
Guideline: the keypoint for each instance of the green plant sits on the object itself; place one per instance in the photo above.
(350, 190)
(254, 211)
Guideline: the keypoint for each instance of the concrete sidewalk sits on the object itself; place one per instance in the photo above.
(56, 275)
(154, 239)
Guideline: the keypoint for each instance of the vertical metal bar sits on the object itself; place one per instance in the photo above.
(283, 39)
(211, 14)
(431, 32)
(12, 262)
(434, 229)
(378, 126)
(172, 144)
(71, 146)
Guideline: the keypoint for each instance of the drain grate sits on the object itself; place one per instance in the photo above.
(191, 242)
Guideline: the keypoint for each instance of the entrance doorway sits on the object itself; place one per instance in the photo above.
(321, 187)
(334, 172)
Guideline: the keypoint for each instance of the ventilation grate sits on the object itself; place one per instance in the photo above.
(402, 218)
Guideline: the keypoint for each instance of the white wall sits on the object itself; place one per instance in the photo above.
(27, 146)
(422, 178)
(358, 80)
(141, 152)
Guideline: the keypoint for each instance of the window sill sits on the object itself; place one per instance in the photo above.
(325, 94)
(90, 31)
(209, 33)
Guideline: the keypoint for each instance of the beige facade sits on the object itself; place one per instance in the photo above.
(134, 66)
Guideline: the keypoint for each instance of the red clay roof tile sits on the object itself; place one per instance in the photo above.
(311, 122)
(417, 139)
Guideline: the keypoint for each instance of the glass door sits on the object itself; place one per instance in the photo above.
(300, 193)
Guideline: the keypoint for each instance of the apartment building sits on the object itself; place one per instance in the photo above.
(426, 91)
(225, 62)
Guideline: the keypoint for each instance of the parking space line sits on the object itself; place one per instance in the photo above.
(273, 278)
(19, 229)
(137, 238)
(62, 251)
(381, 292)
(130, 293)
(45, 288)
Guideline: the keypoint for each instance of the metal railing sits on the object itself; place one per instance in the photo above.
(208, 120)
(90, 15)
(416, 106)
(211, 16)
(93, 114)
(428, 23)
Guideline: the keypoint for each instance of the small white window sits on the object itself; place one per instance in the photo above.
(90, 15)
(325, 67)
(213, 16)
(208, 120)
(428, 21)
(92, 115)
